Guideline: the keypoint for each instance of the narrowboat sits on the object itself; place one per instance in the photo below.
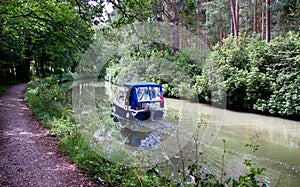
(139, 101)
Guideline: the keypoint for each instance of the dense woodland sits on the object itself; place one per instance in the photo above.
(255, 43)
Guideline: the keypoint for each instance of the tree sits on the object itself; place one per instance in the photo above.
(262, 20)
(51, 34)
(287, 17)
(235, 16)
(268, 23)
(219, 22)
(174, 8)
(206, 28)
(128, 11)
(255, 17)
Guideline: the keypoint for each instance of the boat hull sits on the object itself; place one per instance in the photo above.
(137, 114)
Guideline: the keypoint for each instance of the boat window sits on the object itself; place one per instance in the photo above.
(121, 96)
(145, 94)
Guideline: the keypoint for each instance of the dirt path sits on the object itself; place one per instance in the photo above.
(28, 156)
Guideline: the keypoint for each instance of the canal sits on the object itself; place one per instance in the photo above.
(190, 132)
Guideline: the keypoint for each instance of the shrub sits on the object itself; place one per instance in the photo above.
(260, 76)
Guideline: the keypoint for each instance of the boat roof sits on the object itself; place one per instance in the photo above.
(140, 84)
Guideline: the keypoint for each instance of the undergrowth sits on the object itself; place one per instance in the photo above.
(3, 89)
(50, 102)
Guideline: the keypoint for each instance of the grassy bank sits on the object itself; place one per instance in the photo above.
(50, 102)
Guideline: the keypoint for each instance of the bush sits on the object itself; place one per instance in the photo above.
(43, 98)
(261, 76)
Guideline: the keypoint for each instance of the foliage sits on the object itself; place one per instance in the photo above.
(282, 71)
(288, 15)
(41, 36)
(210, 19)
(44, 96)
(149, 64)
(49, 37)
(250, 178)
(53, 35)
(261, 76)
(256, 76)
(133, 55)
(217, 23)
(128, 11)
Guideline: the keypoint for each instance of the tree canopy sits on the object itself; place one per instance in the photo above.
(49, 36)
(45, 36)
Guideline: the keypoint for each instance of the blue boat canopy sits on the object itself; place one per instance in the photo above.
(140, 84)
(144, 92)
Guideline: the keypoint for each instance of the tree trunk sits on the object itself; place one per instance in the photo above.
(237, 17)
(247, 17)
(255, 17)
(198, 21)
(23, 68)
(207, 31)
(42, 64)
(175, 26)
(268, 24)
(220, 31)
(234, 23)
(262, 20)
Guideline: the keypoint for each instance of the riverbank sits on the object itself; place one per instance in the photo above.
(29, 156)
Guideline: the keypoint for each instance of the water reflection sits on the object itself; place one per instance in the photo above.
(141, 139)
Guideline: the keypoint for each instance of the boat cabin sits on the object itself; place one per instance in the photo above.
(141, 99)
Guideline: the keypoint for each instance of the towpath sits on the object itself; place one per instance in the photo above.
(28, 155)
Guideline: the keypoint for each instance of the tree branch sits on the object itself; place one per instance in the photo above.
(124, 13)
